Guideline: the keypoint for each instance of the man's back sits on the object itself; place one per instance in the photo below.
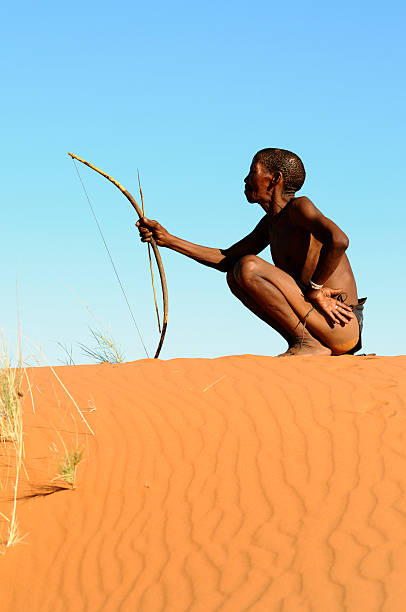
(296, 250)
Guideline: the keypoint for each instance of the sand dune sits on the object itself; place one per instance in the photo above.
(240, 483)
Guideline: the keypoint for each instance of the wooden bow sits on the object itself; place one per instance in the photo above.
(157, 254)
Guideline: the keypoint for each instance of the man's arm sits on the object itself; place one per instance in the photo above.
(334, 244)
(333, 239)
(220, 259)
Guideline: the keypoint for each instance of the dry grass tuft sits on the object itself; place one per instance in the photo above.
(105, 350)
(68, 468)
(11, 431)
(10, 405)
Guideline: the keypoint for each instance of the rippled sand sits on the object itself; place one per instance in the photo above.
(240, 483)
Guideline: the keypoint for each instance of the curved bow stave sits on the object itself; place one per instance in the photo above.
(157, 254)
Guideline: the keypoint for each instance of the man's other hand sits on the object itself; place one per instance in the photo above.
(148, 228)
(325, 302)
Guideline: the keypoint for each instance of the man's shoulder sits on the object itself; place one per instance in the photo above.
(301, 202)
(301, 206)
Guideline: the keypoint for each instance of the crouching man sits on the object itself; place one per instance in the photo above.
(309, 295)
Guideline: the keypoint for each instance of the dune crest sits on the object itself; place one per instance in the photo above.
(238, 483)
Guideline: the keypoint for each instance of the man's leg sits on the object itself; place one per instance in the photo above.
(253, 306)
(278, 314)
(277, 295)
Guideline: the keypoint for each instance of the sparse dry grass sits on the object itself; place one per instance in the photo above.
(11, 432)
(105, 349)
(11, 440)
(10, 395)
(68, 353)
(68, 468)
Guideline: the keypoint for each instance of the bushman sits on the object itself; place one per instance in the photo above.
(309, 295)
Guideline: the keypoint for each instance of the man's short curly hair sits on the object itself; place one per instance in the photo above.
(286, 162)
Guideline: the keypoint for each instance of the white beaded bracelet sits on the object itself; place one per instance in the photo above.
(315, 285)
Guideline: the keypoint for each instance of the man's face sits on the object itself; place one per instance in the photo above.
(257, 183)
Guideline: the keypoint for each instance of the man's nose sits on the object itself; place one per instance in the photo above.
(246, 179)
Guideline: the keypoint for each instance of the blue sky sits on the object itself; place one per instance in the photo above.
(187, 93)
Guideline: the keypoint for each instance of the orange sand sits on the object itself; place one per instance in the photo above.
(240, 483)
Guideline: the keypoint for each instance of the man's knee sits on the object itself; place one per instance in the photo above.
(246, 269)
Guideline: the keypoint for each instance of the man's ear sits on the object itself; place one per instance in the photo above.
(274, 180)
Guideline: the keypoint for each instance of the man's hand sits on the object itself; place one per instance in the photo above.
(323, 300)
(152, 229)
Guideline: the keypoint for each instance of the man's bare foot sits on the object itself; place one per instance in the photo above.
(307, 347)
